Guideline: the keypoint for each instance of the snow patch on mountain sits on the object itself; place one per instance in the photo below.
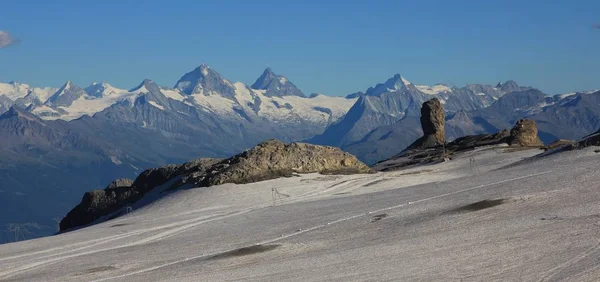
(156, 105)
(215, 103)
(173, 94)
(406, 82)
(434, 90)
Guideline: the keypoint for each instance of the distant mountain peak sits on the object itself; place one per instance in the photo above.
(276, 85)
(508, 86)
(393, 84)
(65, 96)
(268, 70)
(205, 80)
(67, 85)
(145, 86)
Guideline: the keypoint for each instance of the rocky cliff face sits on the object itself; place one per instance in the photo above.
(268, 160)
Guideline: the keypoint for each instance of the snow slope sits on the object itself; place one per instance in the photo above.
(414, 225)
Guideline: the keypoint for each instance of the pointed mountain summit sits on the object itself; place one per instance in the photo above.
(65, 96)
(508, 86)
(204, 80)
(276, 85)
(146, 85)
(394, 84)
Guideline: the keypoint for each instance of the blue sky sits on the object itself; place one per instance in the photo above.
(334, 47)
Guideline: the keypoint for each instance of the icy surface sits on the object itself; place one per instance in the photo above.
(433, 90)
(15, 90)
(462, 220)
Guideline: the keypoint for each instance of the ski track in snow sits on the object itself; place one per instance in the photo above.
(54, 258)
(268, 241)
(180, 226)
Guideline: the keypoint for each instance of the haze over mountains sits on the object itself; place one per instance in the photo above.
(58, 142)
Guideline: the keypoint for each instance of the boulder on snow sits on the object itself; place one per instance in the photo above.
(433, 122)
(525, 134)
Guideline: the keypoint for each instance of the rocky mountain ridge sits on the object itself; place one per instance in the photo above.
(268, 160)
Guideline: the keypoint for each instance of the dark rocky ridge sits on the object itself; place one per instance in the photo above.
(567, 145)
(427, 150)
(268, 160)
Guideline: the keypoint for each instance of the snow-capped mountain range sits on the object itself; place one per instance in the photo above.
(54, 139)
(272, 97)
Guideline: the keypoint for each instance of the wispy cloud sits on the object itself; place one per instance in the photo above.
(6, 39)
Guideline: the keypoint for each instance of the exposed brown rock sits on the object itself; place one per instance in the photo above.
(433, 122)
(273, 159)
(268, 160)
(525, 134)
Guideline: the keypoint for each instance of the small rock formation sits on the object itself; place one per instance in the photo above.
(587, 141)
(433, 122)
(267, 160)
(590, 140)
(558, 143)
(525, 134)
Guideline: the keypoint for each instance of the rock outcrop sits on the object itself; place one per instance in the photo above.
(267, 160)
(559, 143)
(433, 122)
(525, 134)
(98, 203)
(587, 141)
(590, 140)
(273, 159)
